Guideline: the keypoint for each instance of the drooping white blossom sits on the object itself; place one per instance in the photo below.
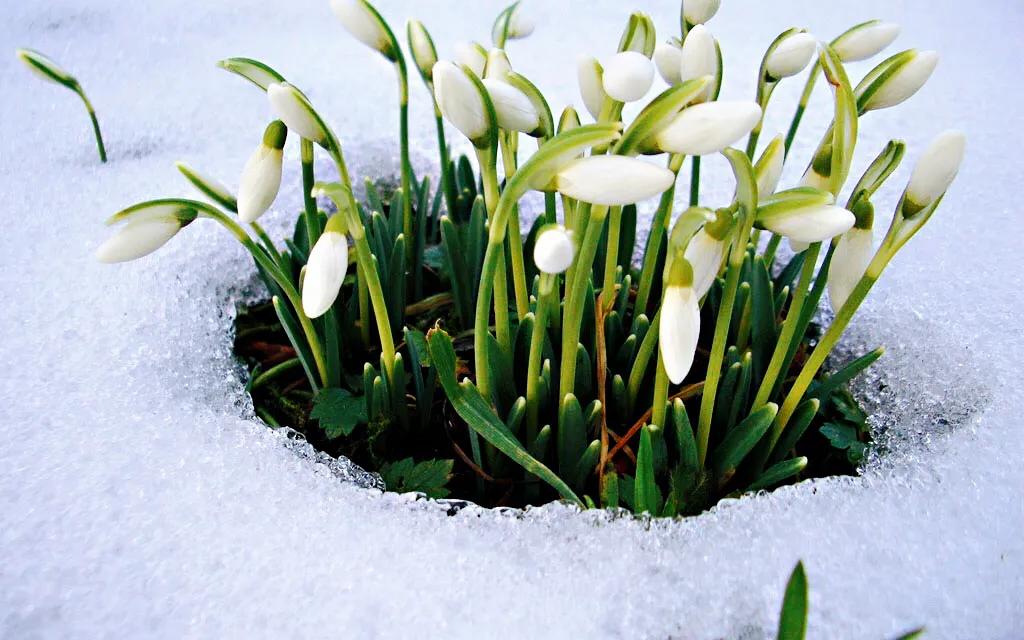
(936, 168)
(554, 250)
(460, 100)
(627, 76)
(865, 40)
(295, 111)
(325, 272)
(261, 177)
(849, 262)
(678, 331)
(709, 127)
(612, 180)
(791, 56)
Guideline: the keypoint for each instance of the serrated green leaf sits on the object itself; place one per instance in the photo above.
(428, 476)
(338, 411)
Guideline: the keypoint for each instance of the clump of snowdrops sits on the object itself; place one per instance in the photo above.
(421, 332)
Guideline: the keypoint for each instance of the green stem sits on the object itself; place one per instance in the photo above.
(447, 184)
(364, 257)
(659, 405)
(502, 326)
(801, 106)
(659, 228)
(95, 125)
(515, 235)
(309, 212)
(694, 181)
(771, 248)
(611, 258)
(536, 354)
(273, 372)
(642, 360)
(407, 191)
(267, 242)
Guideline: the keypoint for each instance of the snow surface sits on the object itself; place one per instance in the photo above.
(140, 496)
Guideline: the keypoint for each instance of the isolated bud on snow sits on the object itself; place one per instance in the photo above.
(911, 72)
(589, 72)
(295, 111)
(708, 127)
(627, 76)
(45, 68)
(699, 57)
(553, 252)
(790, 56)
(935, 171)
(865, 40)
(849, 262)
(145, 231)
(261, 177)
(768, 169)
(459, 100)
(514, 110)
(700, 11)
(325, 269)
(421, 45)
(473, 55)
(679, 323)
(612, 180)
(365, 24)
(668, 58)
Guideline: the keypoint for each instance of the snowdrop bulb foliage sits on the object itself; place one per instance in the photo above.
(865, 40)
(473, 55)
(514, 110)
(810, 224)
(678, 330)
(612, 180)
(460, 100)
(325, 271)
(849, 262)
(295, 111)
(588, 73)
(936, 169)
(905, 82)
(790, 56)
(261, 177)
(700, 11)
(554, 250)
(668, 58)
(359, 20)
(708, 127)
(628, 76)
(705, 254)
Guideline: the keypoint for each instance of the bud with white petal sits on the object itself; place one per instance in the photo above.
(698, 58)
(805, 221)
(865, 40)
(498, 67)
(361, 20)
(768, 169)
(850, 260)
(261, 177)
(699, 11)
(294, 109)
(519, 24)
(588, 73)
(790, 56)
(147, 228)
(460, 100)
(513, 107)
(421, 45)
(611, 180)
(935, 171)
(896, 79)
(325, 269)
(668, 58)
(554, 250)
(208, 186)
(708, 128)
(46, 68)
(569, 119)
(627, 76)
(705, 254)
(679, 322)
(473, 55)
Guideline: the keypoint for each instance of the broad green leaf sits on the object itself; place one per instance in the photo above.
(777, 473)
(738, 443)
(428, 476)
(338, 411)
(646, 496)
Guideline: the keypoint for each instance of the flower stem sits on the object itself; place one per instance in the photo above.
(95, 125)
(309, 213)
(659, 227)
(694, 181)
(801, 106)
(643, 358)
(502, 327)
(659, 405)
(447, 182)
(515, 235)
(380, 310)
(611, 259)
(540, 323)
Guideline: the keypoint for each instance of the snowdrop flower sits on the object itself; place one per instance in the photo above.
(668, 57)
(460, 100)
(910, 74)
(519, 26)
(589, 72)
(790, 56)
(935, 171)
(700, 11)
(627, 76)
(849, 262)
(46, 68)
(498, 67)
(261, 177)
(768, 169)
(365, 24)
(421, 45)
(865, 40)
(679, 323)
(806, 222)
(708, 128)
(569, 119)
(146, 230)
(514, 110)
(699, 57)
(611, 180)
(554, 250)
(705, 253)
(473, 55)
(325, 269)
(294, 109)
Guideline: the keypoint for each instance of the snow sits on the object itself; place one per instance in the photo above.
(140, 496)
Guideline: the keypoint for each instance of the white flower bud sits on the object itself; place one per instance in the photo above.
(768, 169)
(295, 111)
(519, 26)
(554, 250)
(498, 67)
(790, 56)
(700, 11)
(514, 110)
(678, 330)
(612, 180)
(704, 252)
(905, 82)
(421, 45)
(699, 56)
(589, 72)
(45, 68)
(627, 76)
(261, 177)
(849, 262)
(708, 127)
(936, 168)
(668, 58)
(148, 227)
(473, 55)
(325, 271)
(815, 223)
(865, 40)
(460, 100)
(364, 24)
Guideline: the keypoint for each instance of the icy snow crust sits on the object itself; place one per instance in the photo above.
(140, 496)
